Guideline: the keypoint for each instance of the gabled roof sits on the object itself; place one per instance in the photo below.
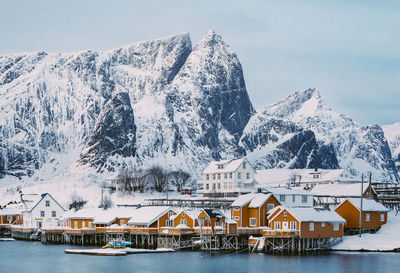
(368, 204)
(214, 213)
(9, 211)
(42, 197)
(147, 215)
(303, 214)
(229, 166)
(353, 189)
(256, 200)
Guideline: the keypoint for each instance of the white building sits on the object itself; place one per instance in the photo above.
(227, 178)
(41, 211)
(292, 197)
(302, 177)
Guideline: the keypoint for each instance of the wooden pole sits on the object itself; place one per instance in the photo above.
(361, 203)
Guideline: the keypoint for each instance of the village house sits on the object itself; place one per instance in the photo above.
(78, 219)
(374, 214)
(250, 210)
(41, 211)
(211, 220)
(10, 216)
(305, 178)
(227, 178)
(292, 197)
(152, 217)
(330, 195)
(304, 222)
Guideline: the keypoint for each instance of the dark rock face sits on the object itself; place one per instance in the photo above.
(113, 134)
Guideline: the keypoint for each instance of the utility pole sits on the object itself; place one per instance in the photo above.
(361, 202)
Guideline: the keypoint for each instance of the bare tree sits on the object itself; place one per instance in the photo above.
(76, 201)
(159, 177)
(106, 202)
(179, 179)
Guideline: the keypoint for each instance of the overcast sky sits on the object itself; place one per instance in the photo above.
(349, 50)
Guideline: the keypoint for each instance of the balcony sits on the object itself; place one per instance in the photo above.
(143, 230)
(279, 233)
(176, 231)
(248, 230)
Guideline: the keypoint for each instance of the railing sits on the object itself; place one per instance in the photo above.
(143, 230)
(80, 231)
(112, 229)
(177, 231)
(279, 233)
(247, 230)
(20, 228)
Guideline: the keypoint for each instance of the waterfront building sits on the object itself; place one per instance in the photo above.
(250, 210)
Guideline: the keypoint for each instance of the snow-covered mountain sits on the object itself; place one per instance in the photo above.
(164, 102)
(392, 134)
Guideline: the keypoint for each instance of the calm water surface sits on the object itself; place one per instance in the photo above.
(21, 256)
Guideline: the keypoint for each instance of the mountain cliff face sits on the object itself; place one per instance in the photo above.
(392, 134)
(164, 102)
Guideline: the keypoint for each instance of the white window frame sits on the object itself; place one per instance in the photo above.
(293, 225)
(236, 218)
(277, 225)
(42, 214)
(47, 203)
(239, 175)
(323, 224)
(335, 226)
(382, 217)
(294, 198)
(183, 221)
(170, 213)
(53, 213)
(254, 222)
(367, 217)
(311, 226)
(270, 206)
(285, 213)
(304, 198)
(282, 198)
(169, 223)
(90, 225)
(76, 224)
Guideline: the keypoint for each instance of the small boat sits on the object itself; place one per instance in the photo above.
(118, 244)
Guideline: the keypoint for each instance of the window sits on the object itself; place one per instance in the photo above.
(382, 217)
(183, 221)
(183, 214)
(170, 223)
(311, 226)
(213, 186)
(367, 217)
(304, 199)
(270, 206)
(244, 165)
(200, 186)
(83, 224)
(237, 218)
(207, 177)
(285, 213)
(47, 203)
(170, 214)
(277, 225)
(53, 213)
(225, 175)
(247, 175)
(239, 175)
(315, 176)
(294, 198)
(293, 225)
(225, 185)
(219, 186)
(335, 226)
(219, 223)
(322, 224)
(230, 175)
(90, 224)
(236, 208)
(253, 222)
(239, 184)
(207, 186)
(42, 213)
(282, 198)
(219, 176)
(214, 176)
(230, 185)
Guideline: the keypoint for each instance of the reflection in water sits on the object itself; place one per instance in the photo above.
(23, 256)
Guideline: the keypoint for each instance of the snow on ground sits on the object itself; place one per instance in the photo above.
(386, 239)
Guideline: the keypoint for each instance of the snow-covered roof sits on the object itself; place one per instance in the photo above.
(228, 166)
(255, 199)
(230, 221)
(368, 204)
(304, 214)
(10, 211)
(215, 213)
(353, 189)
(194, 214)
(288, 191)
(280, 177)
(147, 215)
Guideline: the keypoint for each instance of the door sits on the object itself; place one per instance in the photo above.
(285, 225)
